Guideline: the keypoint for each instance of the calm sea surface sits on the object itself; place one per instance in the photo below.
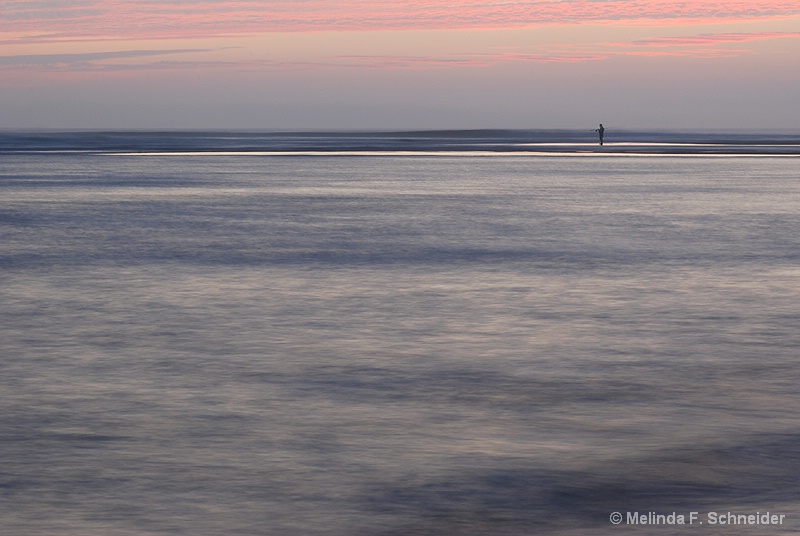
(351, 342)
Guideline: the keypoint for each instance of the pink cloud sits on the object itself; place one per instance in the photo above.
(90, 18)
(697, 46)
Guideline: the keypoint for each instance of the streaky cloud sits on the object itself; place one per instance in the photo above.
(203, 18)
(88, 57)
(458, 60)
(711, 39)
(694, 46)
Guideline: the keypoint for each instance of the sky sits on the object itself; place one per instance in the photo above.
(399, 64)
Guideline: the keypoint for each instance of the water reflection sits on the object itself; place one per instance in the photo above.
(504, 347)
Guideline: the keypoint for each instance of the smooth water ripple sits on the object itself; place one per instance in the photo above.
(390, 345)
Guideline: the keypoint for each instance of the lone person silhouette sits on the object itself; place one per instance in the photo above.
(600, 132)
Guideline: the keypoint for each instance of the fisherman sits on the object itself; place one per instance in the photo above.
(600, 132)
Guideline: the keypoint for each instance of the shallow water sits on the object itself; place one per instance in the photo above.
(398, 344)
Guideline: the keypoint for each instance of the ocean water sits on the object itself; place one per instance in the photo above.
(505, 333)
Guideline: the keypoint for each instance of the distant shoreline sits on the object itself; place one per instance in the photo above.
(412, 143)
